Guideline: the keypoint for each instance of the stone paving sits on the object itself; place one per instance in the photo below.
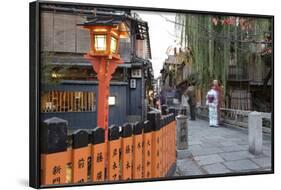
(220, 150)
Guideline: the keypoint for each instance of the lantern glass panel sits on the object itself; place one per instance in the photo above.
(100, 42)
(113, 45)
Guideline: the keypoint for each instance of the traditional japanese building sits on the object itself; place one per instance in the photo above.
(68, 82)
(175, 74)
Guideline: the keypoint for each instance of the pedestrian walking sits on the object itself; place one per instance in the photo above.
(218, 89)
(184, 102)
(212, 103)
(192, 99)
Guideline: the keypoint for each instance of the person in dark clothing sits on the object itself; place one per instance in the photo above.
(192, 100)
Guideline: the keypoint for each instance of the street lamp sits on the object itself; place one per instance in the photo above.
(105, 34)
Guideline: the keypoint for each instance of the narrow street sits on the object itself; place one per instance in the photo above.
(220, 150)
(116, 85)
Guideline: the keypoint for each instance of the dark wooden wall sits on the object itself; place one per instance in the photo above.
(87, 120)
(60, 33)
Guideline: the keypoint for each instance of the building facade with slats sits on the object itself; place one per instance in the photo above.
(68, 82)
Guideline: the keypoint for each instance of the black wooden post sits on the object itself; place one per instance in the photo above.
(54, 151)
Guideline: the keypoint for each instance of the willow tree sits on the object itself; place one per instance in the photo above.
(210, 57)
(219, 41)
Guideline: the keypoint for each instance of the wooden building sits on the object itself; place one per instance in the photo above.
(68, 82)
(175, 74)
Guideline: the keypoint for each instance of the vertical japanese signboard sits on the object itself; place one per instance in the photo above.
(173, 139)
(164, 144)
(137, 150)
(53, 151)
(154, 118)
(147, 142)
(160, 144)
(114, 145)
(127, 151)
(80, 154)
(172, 111)
(98, 155)
(170, 144)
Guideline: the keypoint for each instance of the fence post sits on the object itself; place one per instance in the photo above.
(174, 138)
(137, 150)
(172, 110)
(98, 154)
(114, 145)
(161, 148)
(169, 140)
(80, 153)
(164, 145)
(255, 133)
(53, 151)
(126, 151)
(169, 146)
(168, 153)
(154, 118)
(147, 139)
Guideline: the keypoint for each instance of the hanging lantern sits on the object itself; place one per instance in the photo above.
(106, 32)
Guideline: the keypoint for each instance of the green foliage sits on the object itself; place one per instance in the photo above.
(214, 46)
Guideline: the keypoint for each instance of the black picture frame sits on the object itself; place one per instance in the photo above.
(34, 98)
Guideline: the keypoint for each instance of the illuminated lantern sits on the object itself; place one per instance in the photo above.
(105, 33)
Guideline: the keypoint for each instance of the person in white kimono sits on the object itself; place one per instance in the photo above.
(184, 102)
(212, 103)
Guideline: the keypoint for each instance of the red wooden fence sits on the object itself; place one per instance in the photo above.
(142, 150)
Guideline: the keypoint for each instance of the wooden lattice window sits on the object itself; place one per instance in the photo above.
(68, 101)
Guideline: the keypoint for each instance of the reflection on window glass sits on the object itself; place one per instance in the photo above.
(63, 101)
(113, 45)
(100, 42)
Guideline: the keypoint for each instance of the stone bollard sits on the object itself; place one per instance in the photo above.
(255, 133)
(181, 132)
(182, 137)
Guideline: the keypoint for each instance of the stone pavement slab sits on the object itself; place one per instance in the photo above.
(193, 147)
(208, 159)
(234, 148)
(264, 162)
(217, 168)
(241, 165)
(188, 167)
(239, 155)
(205, 151)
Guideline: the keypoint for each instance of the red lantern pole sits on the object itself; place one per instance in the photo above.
(104, 68)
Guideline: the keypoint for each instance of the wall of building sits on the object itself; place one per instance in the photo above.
(60, 33)
(135, 99)
(87, 120)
